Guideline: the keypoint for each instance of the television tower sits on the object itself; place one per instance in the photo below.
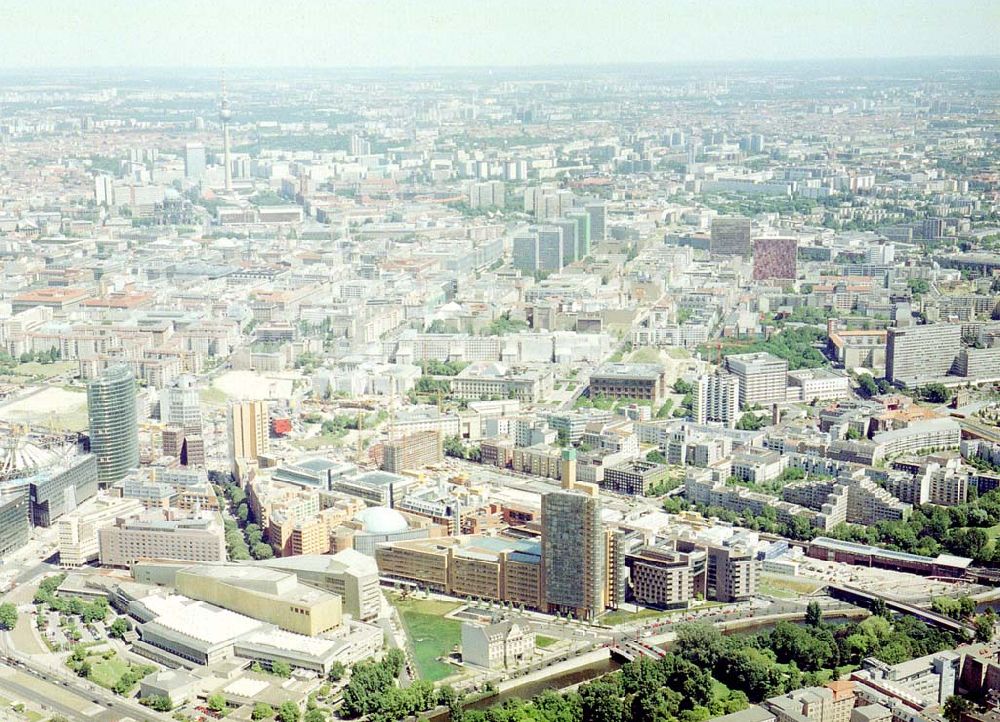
(225, 115)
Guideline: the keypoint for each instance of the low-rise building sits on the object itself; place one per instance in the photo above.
(497, 645)
(635, 477)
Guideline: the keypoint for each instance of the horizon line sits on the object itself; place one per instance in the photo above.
(514, 66)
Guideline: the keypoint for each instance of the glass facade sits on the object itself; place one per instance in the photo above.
(15, 527)
(114, 430)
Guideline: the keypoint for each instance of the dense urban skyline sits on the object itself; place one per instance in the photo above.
(630, 368)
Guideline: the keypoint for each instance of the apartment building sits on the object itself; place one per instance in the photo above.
(717, 400)
(414, 451)
(162, 534)
(763, 377)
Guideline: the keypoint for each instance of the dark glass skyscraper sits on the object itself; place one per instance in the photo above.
(114, 429)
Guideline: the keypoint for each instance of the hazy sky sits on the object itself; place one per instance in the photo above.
(370, 33)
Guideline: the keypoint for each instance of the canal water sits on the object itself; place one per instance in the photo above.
(593, 671)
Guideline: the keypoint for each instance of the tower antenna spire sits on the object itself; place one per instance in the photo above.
(225, 115)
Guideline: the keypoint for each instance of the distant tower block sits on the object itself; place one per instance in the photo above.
(568, 468)
(225, 115)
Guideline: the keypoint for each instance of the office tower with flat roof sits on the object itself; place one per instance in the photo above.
(248, 434)
(114, 427)
(598, 213)
(763, 377)
(58, 489)
(717, 400)
(919, 354)
(573, 552)
(774, 258)
(550, 248)
(582, 219)
(525, 252)
(194, 161)
(570, 242)
(180, 404)
(15, 523)
(730, 236)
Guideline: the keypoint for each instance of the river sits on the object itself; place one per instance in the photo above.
(595, 670)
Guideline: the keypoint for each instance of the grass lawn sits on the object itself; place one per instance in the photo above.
(431, 635)
(678, 353)
(316, 442)
(213, 395)
(645, 355)
(44, 371)
(787, 587)
(542, 641)
(620, 616)
(719, 690)
(992, 532)
(106, 672)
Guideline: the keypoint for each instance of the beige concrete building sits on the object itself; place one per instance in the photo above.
(497, 645)
(665, 578)
(267, 595)
(494, 568)
(831, 703)
(162, 534)
(412, 452)
(349, 574)
(248, 435)
(78, 531)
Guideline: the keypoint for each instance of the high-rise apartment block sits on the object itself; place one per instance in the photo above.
(491, 194)
(194, 161)
(583, 232)
(774, 258)
(730, 236)
(763, 377)
(114, 428)
(717, 400)
(919, 354)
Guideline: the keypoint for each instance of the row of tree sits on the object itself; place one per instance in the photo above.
(708, 675)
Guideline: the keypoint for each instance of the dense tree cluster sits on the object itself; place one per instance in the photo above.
(95, 611)
(373, 690)
(798, 345)
(433, 367)
(8, 616)
(931, 530)
(683, 685)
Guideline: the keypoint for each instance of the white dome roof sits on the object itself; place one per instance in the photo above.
(382, 520)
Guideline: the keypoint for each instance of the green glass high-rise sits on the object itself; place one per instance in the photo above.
(114, 428)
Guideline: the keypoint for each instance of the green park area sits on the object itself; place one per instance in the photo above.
(431, 635)
(107, 672)
(783, 587)
(541, 641)
(104, 667)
